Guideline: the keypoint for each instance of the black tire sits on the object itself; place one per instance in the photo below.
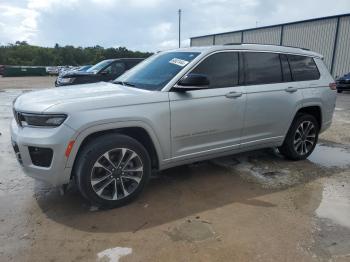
(288, 148)
(93, 152)
(339, 91)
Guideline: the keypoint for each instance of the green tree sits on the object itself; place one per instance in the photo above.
(22, 53)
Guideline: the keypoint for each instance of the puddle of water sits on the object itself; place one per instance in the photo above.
(335, 203)
(330, 156)
(272, 171)
(114, 254)
(191, 231)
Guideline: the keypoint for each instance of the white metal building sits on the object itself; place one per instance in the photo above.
(329, 36)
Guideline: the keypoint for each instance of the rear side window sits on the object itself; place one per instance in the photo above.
(262, 68)
(221, 69)
(303, 68)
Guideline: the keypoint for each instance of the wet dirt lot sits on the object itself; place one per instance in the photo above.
(255, 206)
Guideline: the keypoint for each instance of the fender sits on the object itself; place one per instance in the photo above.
(80, 136)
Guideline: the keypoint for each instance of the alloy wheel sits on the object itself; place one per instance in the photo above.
(304, 138)
(116, 174)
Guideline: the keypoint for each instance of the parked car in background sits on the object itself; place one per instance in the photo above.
(84, 68)
(65, 69)
(343, 83)
(52, 70)
(105, 71)
(2, 67)
(175, 108)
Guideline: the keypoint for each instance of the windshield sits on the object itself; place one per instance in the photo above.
(99, 66)
(155, 72)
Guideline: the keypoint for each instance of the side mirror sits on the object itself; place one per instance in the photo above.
(193, 82)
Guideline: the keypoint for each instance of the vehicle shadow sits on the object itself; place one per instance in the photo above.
(177, 193)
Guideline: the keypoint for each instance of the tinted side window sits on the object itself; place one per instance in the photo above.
(221, 69)
(303, 68)
(132, 63)
(118, 68)
(287, 76)
(262, 68)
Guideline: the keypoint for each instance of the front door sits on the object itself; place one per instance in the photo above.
(210, 120)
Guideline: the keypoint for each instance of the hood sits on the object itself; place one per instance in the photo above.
(85, 97)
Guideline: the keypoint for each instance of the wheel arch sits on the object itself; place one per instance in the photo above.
(314, 110)
(139, 131)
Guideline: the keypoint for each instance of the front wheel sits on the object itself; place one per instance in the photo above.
(301, 138)
(112, 170)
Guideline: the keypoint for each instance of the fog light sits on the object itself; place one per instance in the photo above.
(40, 156)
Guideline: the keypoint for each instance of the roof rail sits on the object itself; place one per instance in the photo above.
(303, 48)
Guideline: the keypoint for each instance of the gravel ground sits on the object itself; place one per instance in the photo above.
(27, 82)
(255, 206)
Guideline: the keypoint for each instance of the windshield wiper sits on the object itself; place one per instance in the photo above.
(123, 83)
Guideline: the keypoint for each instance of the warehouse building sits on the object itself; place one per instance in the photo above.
(329, 36)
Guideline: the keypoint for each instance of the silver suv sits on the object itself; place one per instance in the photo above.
(174, 108)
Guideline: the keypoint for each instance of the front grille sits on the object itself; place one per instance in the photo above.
(40, 156)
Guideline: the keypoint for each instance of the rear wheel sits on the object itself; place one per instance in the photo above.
(301, 138)
(112, 170)
(339, 91)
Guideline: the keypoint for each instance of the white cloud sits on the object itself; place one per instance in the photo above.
(161, 30)
(172, 44)
(50, 5)
(130, 3)
(147, 25)
(17, 23)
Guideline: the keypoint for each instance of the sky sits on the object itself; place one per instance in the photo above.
(146, 25)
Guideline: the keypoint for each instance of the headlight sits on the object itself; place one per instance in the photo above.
(66, 80)
(47, 120)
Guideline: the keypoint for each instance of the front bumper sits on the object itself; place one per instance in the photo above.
(56, 139)
(59, 82)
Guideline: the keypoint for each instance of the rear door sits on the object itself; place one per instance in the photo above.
(272, 97)
(206, 121)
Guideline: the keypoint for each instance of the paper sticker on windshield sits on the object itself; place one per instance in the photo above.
(179, 62)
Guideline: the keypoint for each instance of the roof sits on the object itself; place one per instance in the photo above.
(251, 47)
(276, 25)
(124, 59)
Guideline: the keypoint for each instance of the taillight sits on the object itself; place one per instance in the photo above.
(333, 86)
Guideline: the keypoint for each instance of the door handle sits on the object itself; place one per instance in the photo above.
(291, 89)
(233, 94)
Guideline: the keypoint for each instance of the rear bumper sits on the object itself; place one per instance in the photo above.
(54, 138)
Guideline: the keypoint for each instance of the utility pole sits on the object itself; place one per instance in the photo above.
(179, 28)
